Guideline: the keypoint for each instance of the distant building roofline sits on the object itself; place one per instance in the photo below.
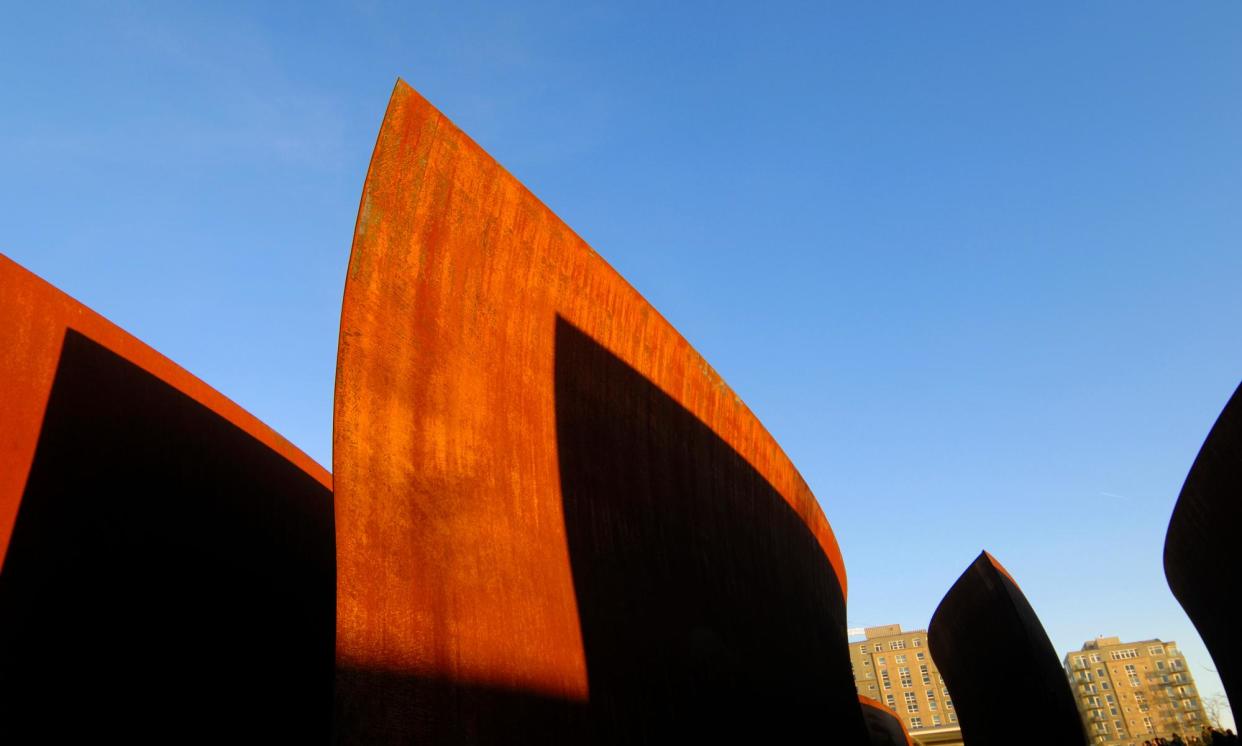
(887, 630)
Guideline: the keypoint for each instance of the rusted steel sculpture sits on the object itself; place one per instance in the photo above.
(1201, 547)
(884, 726)
(983, 631)
(167, 560)
(555, 523)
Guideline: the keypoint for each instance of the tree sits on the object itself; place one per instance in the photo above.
(1214, 708)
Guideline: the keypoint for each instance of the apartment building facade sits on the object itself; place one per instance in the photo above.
(1131, 692)
(896, 668)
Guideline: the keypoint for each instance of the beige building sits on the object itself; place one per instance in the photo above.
(1130, 692)
(896, 668)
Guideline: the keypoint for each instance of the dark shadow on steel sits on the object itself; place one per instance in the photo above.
(1201, 558)
(169, 577)
(883, 725)
(993, 652)
(411, 709)
(708, 609)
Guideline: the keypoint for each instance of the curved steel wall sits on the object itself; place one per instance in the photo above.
(168, 568)
(1201, 547)
(553, 518)
(884, 726)
(998, 662)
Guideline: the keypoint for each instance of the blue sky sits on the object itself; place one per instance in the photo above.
(975, 265)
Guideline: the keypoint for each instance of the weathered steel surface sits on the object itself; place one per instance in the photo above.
(983, 631)
(555, 522)
(167, 559)
(884, 726)
(1201, 547)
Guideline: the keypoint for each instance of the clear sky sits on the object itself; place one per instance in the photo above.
(976, 265)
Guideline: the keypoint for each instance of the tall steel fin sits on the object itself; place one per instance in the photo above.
(983, 630)
(555, 522)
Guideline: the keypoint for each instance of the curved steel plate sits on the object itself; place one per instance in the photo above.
(167, 559)
(883, 724)
(981, 634)
(553, 517)
(1200, 549)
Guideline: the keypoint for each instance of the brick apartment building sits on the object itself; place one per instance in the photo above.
(1130, 692)
(896, 668)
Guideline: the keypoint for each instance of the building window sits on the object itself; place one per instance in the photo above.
(917, 642)
(892, 702)
(936, 720)
(1155, 650)
(931, 699)
(878, 647)
(888, 683)
(912, 702)
(1119, 655)
(880, 659)
(899, 659)
(916, 723)
(896, 645)
(1147, 725)
(1159, 665)
(1095, 657)
(952, 717)
(921, 656)
(906, 682)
